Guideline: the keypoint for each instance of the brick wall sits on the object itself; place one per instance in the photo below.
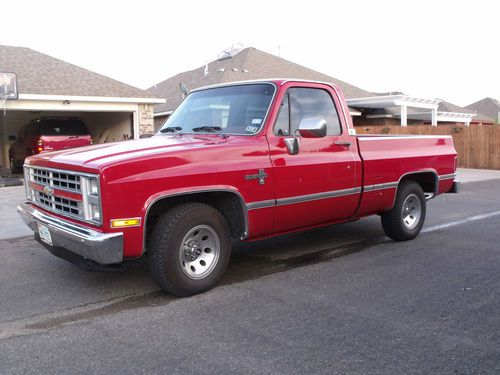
(146, 120)
(159, 121)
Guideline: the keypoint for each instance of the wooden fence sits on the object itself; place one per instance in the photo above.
(477, 146)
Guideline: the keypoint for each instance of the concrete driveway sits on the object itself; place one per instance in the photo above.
(11, 225)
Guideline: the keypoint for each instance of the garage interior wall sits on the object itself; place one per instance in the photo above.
(108, 126)
(103, 126)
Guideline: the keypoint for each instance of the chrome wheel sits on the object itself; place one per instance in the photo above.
(412, 211)
(199, 252)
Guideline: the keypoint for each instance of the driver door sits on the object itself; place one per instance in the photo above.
(317, 185)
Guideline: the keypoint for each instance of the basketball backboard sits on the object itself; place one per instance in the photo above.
(8, 86)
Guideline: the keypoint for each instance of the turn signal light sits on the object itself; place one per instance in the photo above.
(122, 223)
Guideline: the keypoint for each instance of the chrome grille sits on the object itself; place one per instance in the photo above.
(58, 179)
(45, 186)
(61, 205)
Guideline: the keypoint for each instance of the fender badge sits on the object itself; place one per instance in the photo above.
(261, 176)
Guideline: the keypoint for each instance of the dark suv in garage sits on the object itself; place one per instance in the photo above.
(47, 134)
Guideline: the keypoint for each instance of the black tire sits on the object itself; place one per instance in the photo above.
(401, 223)
(168, 250)
(13, 167)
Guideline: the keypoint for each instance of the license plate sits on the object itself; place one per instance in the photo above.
(44, 234)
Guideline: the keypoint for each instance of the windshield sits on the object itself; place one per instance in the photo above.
(229, 110)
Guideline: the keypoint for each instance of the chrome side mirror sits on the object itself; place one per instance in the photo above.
(292, 145)
(314, 127)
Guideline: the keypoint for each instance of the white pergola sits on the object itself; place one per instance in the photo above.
(401, 101)
(466, 118)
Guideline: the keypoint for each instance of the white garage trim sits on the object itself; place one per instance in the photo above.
(92, 99)
(51, 105)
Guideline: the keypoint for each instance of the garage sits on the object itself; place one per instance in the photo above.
(35, 86)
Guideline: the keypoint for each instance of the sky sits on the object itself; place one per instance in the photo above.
(433, 49)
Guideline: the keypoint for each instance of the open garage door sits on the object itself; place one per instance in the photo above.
(103, 126)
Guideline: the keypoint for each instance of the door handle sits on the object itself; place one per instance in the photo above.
(346, 143)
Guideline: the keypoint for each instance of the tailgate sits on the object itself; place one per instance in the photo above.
(62, 142)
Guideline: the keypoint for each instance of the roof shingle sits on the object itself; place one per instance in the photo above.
(487, 107)
(41, 74)
(248, 64)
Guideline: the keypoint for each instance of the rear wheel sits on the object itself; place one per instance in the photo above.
(405, 220)
(190, 249)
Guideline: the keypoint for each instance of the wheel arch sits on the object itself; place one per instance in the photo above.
(229, 202)
(427, 179)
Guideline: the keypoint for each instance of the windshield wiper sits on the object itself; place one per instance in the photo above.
(212, 129)
(171, 129)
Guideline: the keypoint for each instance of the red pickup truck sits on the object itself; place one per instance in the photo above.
(47, 134)
(246, 160)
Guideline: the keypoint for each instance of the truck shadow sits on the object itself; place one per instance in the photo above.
(253, 260)
(134, 289)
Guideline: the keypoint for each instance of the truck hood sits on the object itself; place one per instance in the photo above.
(97, 157)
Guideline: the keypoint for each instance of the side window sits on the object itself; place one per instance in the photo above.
(308, 103)
(300, 103)
(34, 129)
(29, 130)
(282, 125)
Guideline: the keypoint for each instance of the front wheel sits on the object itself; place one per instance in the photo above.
(405, 220)
(190, 249)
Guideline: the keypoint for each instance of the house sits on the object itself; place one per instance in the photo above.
(235, 65)
(487, 108)
(391, 113)
(48, 86)
(365, 107)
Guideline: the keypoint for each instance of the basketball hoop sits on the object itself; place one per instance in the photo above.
(8, 89)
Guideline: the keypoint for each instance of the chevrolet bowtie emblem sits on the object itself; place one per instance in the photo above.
(261, 176)
(48, 190)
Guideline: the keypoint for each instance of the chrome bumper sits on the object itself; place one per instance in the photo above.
(103, 248)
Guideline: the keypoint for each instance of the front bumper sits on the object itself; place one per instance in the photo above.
(102, 248)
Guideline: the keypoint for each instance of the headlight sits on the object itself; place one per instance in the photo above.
(94, 186)
(91, 199)
(95, 212)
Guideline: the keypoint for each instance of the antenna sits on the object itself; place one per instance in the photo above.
(184, 90)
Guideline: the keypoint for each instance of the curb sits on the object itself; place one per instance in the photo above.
(6, 182)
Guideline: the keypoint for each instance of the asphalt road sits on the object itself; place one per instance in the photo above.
(343, 299)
